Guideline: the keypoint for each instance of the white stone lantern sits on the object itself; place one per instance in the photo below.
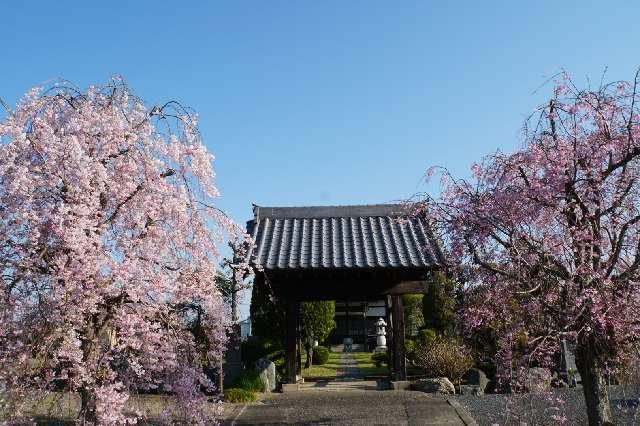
(381, 339)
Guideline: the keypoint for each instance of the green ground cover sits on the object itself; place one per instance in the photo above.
(329, 370)
(326, 371)
(367, 367)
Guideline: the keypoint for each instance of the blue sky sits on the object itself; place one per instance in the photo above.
(327, 102)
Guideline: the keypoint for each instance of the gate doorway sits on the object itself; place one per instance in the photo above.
(365, 254)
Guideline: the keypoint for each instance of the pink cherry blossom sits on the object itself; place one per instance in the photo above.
(549, 239)
(108, 239)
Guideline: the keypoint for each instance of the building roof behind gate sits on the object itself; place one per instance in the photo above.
(338, 237)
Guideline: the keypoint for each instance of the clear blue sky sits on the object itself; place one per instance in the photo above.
(327, 102)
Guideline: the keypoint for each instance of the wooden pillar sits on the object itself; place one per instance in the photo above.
(346, 313)
(299, 354)
(399, 359)
(364, 327)
(291, 350)
(389, 320)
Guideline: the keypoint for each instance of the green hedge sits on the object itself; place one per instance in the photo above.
(239, 395)
(320, 355)
(250, 380)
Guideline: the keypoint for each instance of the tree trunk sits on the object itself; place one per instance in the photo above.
(594, 386)
(309, 348)
(234, 302)
(87, 413)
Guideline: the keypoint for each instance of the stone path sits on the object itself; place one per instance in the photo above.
(348, 377)
(348, 368)
(339, 385)
(346, 408)
(350, 401)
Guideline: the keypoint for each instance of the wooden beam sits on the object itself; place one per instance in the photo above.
(340, 289)
(399, 359)
(291, 346)
(407, 287)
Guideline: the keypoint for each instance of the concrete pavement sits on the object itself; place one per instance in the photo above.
(347, 407)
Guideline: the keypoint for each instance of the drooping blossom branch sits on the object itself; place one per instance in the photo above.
(107, 227)
(552, 234)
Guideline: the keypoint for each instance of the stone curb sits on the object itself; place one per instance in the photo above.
(462, 413)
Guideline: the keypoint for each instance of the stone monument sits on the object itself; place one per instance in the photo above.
(267, 371)
(231, 365)
(381, 339)
(568, 371)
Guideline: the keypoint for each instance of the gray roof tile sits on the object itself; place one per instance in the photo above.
(373, 236)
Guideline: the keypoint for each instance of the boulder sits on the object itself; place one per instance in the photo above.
(538, 380)
(440, 385)
(474, 390)
(476, 377)
(267, 371)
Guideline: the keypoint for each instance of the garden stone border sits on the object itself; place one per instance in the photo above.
(462, 413)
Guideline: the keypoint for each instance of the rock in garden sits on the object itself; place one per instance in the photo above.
(473, 390)
(476, 377)
(440, 385)
(267, 371)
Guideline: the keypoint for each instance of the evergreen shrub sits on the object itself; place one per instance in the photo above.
(320, 355)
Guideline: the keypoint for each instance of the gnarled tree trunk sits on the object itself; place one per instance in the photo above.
(308, 346)
(594, 385)
(87, 413)
(87, 407)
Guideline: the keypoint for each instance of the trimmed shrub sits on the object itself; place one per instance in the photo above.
(250, 380)
(444, 357)
(278, 359)
(426, 336)
(438, 305)
(380, 358)
(409, 348)
(413, 316)
(238, 395)
(320, 355)
(254, 349)
(251, 351)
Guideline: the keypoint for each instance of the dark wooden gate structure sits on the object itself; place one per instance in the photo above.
(343, 252)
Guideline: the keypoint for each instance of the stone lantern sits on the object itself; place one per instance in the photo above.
(381, 339)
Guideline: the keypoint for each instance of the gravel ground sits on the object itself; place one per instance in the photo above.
(533, 409)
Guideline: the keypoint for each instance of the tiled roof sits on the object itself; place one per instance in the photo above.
(370, 236)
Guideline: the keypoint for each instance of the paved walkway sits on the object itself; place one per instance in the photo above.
(353, 401)
(345, 408)
(348, 368)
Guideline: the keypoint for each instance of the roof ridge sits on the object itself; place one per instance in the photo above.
(312, 212)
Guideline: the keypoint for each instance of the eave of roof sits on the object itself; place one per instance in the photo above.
(342, 237)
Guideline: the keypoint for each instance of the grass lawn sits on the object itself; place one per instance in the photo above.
(329, 370)
(367, 367)
(325, 371)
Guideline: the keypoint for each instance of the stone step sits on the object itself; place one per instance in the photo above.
(356, 347)
(338, 385)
